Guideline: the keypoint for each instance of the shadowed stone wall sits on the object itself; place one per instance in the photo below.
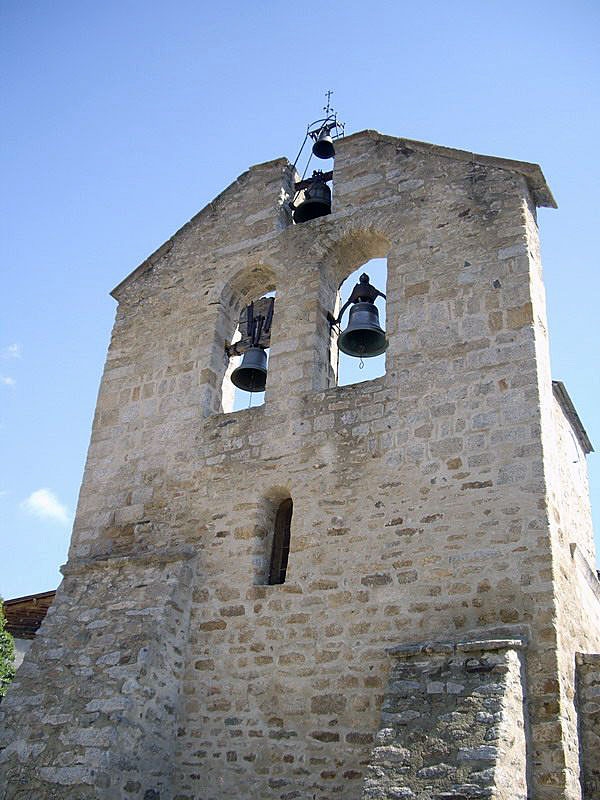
(588, 702)
(452, 724)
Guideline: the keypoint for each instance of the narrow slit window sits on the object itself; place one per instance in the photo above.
(281, 543)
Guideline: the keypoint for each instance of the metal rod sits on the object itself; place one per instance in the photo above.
(300, 151)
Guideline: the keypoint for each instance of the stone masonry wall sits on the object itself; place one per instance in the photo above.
(115, 737)
(579, 588)
(572, 565)
(452, 724)
(420, 499)
(588, 702)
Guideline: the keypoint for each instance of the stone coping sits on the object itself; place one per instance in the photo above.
(152, 558)
(568, 409)
(532, 173)
(430, 648)
(593, 659)
(164, 248)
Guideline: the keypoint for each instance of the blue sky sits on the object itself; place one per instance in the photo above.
(122, 119)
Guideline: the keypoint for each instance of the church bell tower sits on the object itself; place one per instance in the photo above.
(377, 590)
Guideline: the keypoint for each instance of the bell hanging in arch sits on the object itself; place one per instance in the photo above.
(364, 337)
(316, 203)
(251, 375)
(323, 146)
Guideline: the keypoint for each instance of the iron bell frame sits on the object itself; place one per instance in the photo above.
(332, 128)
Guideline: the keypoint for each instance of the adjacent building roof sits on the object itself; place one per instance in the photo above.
(24, 615)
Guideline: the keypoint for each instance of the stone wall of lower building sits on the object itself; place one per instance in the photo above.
(453, 724)
(80, 736)
(588, 706)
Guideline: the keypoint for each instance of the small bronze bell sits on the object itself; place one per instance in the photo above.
(323, 146)
(251, 375)
(364, 337)
(316, 203)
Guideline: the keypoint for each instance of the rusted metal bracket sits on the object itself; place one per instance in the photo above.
(254, 326)
(327, 176)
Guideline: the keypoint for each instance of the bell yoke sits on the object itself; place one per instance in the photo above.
(251, 375)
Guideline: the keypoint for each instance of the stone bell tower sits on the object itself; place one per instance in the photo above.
(431, 631)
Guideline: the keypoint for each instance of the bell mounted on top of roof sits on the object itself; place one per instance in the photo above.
(323, 146)
(312, 197)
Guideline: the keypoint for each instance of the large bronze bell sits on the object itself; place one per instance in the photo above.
(251, 375)
(364, 337)
(316, 203)
(323, 147)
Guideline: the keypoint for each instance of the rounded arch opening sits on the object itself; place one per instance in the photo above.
(248, 286)
(349, 369)
(355, 248)
(274, 537)
(358, 251)
(237, 398)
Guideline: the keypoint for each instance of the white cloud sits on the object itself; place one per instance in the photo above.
(6, 380)
(11, 351)
(44, 504)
